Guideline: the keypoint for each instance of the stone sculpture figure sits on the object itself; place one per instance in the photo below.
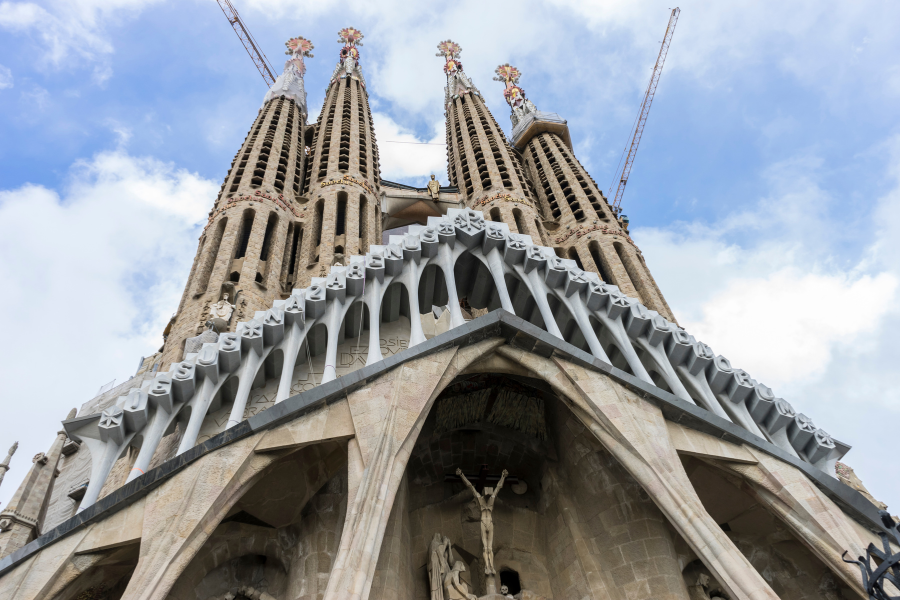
(454, 589)
(221, 309)
(434, 187)
(487, 522)
(439, 561)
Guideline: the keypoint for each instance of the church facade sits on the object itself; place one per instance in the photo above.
(375, 391)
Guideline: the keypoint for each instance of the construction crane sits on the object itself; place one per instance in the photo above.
(645, 110)
(259, 59)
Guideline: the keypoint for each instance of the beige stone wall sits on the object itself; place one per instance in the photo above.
(604, 533)
(317, 537)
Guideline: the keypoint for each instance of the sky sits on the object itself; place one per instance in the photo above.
(765, 195)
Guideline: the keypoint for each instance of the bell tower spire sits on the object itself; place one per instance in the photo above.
(580, 225)
(480, 162)
(343, 178)
(247, 255)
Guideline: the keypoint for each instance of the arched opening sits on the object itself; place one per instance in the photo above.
(475, 285)
(560, 252)
(523, 301)
(396, 315)
(212, 250)
(217, 414)
(610, 346)
(573, 255)
(495, 215)
(267, 238)
(568, 326)
(520, 221)
(240, 249)
(432, 289)
(540, 230)
(319, 212)
(787, 564)
(363, 226)
(280, 532)
(633, 275)
(563, 496)
(234, 277)
(107, 578)
(510, 579)
(353, 339)
(340, 224)
(602, 270)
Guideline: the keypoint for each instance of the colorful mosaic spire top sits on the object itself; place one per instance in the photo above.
(299, 45)
(350, 36)
(297, 48)
(449, 49)
(509, 75)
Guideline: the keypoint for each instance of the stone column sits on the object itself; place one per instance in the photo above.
(4, 466)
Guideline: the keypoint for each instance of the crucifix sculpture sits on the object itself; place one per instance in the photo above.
(487, 524)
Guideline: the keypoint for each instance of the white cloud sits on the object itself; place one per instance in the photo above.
(775, 289)
(70, 29)
(403, 155)
(91, 276)
(6, 78)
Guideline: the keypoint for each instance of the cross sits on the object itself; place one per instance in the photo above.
(481, 480)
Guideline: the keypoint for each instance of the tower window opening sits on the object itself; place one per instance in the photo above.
(495, 215)
(341, 222)
(363, 226)
(319, 212)
(244, 235)
(573, 255)
(298, 236)
(520, 221)
(267, 238)
(210, 259)
(594, 248)
(541, 232)
(235, 277)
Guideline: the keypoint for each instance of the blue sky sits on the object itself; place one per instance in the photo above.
(765, 195)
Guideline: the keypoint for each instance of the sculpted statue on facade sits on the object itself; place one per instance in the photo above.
(454, 589)
(434, 187)
(487, 522)
(439, 561)
(221, 310)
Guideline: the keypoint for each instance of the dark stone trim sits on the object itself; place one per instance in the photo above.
(518, 333)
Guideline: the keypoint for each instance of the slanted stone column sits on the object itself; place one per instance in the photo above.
(634, 431)
(388, 416)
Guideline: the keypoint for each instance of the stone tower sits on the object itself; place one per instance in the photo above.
(486, 169)
(248, 252)
(577, 220)
(343, 178)
(20, 520)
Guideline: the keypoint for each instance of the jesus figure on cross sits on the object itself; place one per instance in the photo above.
(487, 522)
